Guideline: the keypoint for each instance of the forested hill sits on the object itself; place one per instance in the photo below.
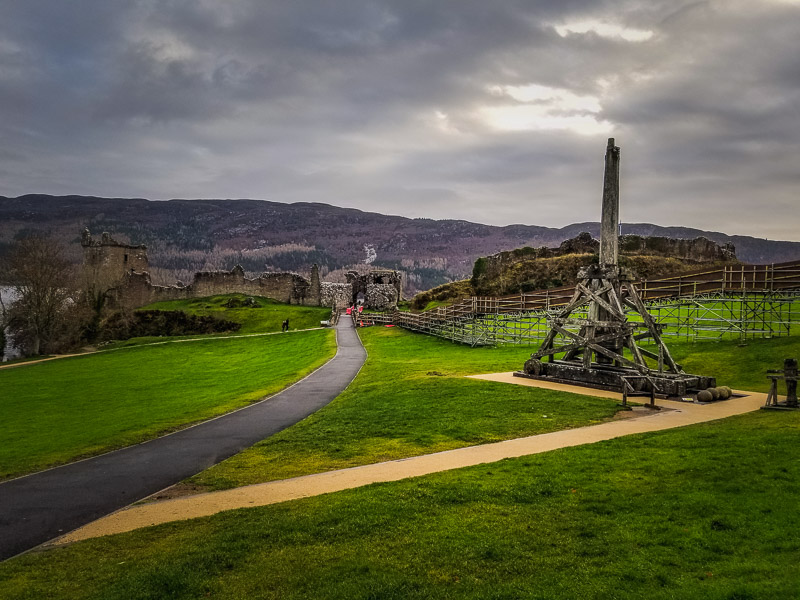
(187, 235)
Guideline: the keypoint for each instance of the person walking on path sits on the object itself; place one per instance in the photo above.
(285, 325)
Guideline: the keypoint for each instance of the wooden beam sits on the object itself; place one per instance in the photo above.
(581, 342)
(601, 324)
(597, 298)
(576, 300)
(652, 326)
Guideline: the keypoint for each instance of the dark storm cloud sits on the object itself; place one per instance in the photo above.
(495, 112)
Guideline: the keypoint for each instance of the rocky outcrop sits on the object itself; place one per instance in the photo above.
(697, 250)
(528, 269)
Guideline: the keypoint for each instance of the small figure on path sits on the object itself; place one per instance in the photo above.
(285, 325)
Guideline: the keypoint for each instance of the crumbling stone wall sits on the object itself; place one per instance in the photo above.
(381, 296)
(121, 270)
(336, 295)
(283, 287)
(136, 289)
(699, 250)
(374, 286)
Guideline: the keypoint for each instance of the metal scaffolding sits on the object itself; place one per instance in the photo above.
(741, 302)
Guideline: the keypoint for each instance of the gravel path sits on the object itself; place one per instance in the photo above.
(38, 507)
(678, 415)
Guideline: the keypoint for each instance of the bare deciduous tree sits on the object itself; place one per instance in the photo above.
(44, 284)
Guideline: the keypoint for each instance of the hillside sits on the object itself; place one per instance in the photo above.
(184, 236)
(528, 269)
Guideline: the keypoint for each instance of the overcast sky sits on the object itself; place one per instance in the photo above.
(491, 111)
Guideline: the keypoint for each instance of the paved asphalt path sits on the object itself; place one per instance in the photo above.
(38, 507)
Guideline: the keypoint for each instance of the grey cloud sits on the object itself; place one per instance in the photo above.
(336, 102)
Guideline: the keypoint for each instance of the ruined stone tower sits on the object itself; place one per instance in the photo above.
(106, 261)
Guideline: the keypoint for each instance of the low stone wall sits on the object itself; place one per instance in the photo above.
(283, 287)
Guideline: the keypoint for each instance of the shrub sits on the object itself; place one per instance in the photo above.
(122, 326)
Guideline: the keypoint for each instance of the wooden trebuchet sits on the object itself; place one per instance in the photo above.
(594, 354)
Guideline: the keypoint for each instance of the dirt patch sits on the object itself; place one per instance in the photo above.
(179, 490)
(638, 411)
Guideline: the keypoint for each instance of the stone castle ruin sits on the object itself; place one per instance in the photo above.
(109, 259)
(121, 271)
(376, 288)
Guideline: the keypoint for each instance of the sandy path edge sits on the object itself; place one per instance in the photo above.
(273, 492)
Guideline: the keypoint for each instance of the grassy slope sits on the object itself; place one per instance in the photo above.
(442, 295)
(268, 317)
(58, 411)
(740, 367)
(410, 398)
(703, 512)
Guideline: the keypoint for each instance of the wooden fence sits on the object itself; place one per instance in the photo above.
(453, 321)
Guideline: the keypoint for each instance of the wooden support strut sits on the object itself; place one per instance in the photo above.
(594, 344)
(597, 297)
(580, 344)
(637, 304)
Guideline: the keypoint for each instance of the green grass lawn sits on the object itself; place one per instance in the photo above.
(739, 367)
(61, 410)
(267, 317)
(704, 512)
(410, 398)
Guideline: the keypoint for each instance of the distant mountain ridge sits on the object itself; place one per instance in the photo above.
(188, 235)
